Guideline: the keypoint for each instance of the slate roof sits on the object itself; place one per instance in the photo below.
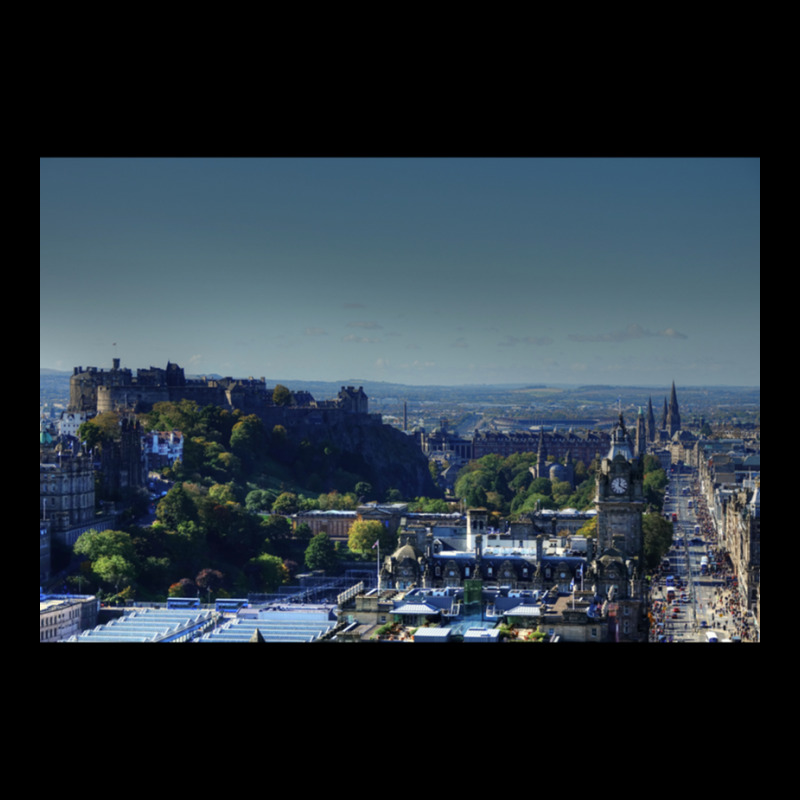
(416, 609)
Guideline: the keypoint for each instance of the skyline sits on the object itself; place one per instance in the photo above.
(421, 271)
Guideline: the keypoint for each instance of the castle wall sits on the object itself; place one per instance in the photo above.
(99, 390)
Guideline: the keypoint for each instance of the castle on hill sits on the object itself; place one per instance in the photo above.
(118, 389)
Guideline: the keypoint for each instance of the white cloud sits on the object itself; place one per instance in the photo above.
(368, 325)
(512, 341)
(361, 339)
(633, 331)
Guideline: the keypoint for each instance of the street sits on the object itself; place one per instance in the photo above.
(693, 595)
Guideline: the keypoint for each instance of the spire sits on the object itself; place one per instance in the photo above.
(673, 416)
(620, 441)
(651, 421)
(641, 434)
(541, 458)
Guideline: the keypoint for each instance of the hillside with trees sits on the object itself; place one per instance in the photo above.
(222, 528)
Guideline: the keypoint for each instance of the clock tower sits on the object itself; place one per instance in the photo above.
(617, 570)
(620, 498)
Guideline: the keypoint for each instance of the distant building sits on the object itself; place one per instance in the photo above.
(162, 448)
(336, 524)
(94, 390)
(70, 421)
(582, 446)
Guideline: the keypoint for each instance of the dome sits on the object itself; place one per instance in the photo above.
(406, 551)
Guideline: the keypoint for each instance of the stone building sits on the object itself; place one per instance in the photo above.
(617, 572)
(66, 490)
(607, 587)
(62, 616)
(336, 524)
(742, 536)
(96, 390)
(582, 446)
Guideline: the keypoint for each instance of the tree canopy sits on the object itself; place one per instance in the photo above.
(364, 534)
(320, 553)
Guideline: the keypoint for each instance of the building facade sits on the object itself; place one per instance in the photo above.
(66, 491)
(62, 616)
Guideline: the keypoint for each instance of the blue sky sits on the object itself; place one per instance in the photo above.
(627, 271)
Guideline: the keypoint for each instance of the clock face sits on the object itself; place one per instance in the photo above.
(619, 485)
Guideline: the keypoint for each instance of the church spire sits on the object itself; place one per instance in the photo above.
(673, 415)
(641, 434)
(651, 421)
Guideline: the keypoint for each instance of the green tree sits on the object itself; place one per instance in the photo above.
(95, 544)
(222, 493)
(334, 501)
(363, 489)
(187, 547)
(364, 533)
(471, 486)
(302, 532)
(233, 532)
(276, 528)
(114, 569)
(182, 416)
(657, 534)
(176, 506)
(285, 503)
(321, 553)
(266, 572)
(281, 396)
(259, 501)
(588, 529)
(655, 484)
(249, 440)
(103, 428)
(562, 491)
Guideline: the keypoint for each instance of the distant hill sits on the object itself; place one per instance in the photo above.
(55, 384)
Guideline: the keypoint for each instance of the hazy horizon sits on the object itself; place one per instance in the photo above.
(422, 272)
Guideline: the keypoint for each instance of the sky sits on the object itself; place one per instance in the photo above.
(420, 271)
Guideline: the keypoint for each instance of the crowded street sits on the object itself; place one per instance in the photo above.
(694, 594)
